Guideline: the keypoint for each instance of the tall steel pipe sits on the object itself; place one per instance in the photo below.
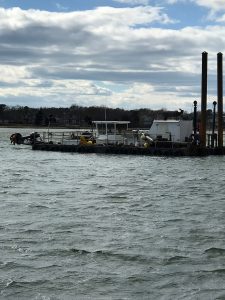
(195, 121)
(203, 99)
(220, 98)
(214, 136)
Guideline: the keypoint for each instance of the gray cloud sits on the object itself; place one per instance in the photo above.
(60, 55)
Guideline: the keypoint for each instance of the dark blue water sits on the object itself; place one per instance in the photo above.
(89, 226)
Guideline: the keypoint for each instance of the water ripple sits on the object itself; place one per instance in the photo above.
(110, 227)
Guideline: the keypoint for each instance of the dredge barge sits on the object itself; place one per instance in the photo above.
(114, 137)
(164, 138)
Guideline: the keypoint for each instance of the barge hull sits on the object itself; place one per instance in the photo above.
(129, 150)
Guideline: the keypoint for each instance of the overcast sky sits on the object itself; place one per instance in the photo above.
(118, 53)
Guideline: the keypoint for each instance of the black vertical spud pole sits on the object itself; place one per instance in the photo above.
(195, 118)
(220, 98)
(214, 125)
(203, 99)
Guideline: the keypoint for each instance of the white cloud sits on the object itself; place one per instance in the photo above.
(54, 56)
(61, 7)
(176, 1)
(212, 4)
(12, 74)
(133, 2)
(216, 9)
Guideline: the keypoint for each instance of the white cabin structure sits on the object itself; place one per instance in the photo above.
(171, 130)
(110, 132)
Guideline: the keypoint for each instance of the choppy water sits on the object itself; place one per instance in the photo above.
(88, 226)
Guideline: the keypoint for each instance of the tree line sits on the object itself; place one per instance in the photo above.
(79, 116)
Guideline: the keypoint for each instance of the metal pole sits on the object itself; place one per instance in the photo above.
(214, 124)
(105, 113)
(220, 98)
(203, 99)
(195, 119)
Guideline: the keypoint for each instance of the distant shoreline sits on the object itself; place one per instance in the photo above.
(40, 127)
